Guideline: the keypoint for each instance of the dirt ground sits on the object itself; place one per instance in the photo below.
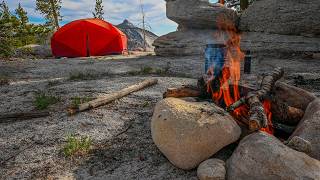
(32, 149)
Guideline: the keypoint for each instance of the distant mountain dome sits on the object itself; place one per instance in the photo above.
(135, 36)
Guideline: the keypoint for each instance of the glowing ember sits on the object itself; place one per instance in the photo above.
(228, 81)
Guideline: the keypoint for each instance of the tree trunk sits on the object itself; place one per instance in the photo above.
(54, 14)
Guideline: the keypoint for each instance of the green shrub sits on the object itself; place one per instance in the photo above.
(77, 146)
(43, 101)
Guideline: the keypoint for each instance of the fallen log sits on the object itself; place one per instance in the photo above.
(5, 118)
(113, 96)
(185, 91)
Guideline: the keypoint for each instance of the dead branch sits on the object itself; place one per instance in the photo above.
(185, 91)
(113, 96)
(4, 118)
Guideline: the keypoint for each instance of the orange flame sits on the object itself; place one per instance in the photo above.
(231, 72)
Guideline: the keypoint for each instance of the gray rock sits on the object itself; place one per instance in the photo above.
(200, 14)
(212, 169)
(309, 128)
(41, 51)
(193, 42)
(188, 133)
(185, 43)
(262, 156)
(276, 44)
(299, 144)
(289, 17)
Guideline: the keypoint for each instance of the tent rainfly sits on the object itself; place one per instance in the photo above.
(88, 37)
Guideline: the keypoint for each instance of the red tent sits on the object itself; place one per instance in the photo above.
(88, 37)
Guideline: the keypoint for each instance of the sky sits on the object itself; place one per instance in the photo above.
(115, 12)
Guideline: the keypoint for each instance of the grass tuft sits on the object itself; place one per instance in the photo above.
(77, 146)
(43, 101)
(76, 101)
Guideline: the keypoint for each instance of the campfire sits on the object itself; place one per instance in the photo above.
(223, 110)
(221, 84)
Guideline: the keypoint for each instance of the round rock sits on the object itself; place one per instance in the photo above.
(212, 169)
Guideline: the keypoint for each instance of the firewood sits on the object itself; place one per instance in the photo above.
(4, 118)
(185, 91)
(284, 113)
(113, 96)
(258, 118)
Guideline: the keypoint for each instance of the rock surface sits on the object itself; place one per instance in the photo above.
(197, 14)
(289, 17)
(309, 128)
(278, 44)
(188, 133)
(185, 43)
(212, 169)
(135, 36)
(193, 42)
(262, 156)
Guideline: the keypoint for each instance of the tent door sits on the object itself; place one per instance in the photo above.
(87, 46)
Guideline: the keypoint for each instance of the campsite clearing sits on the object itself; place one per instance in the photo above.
(120, 132)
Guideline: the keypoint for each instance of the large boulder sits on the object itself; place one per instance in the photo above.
(188, 133)
(277, 44)
(185, 42)
(263, 156)
(193, 42)
(289, 17)
(199, 14)
(309, 128)
(34, 50)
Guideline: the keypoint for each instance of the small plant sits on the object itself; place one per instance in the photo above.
(146, 104)
(76, 101)
(43, 101)
(146, 70)
(77, 146)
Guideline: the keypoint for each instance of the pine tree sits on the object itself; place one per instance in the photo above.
(5, 12)
(98, 10)
(22, 15)
(51, 11)
(6, 31)
(24, 34)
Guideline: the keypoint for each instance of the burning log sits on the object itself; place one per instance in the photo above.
(258, 118)
(185, 91)
(113, 96)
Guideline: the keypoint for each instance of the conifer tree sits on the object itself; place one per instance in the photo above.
(22, 15)
(51, 11)
(98, 10)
